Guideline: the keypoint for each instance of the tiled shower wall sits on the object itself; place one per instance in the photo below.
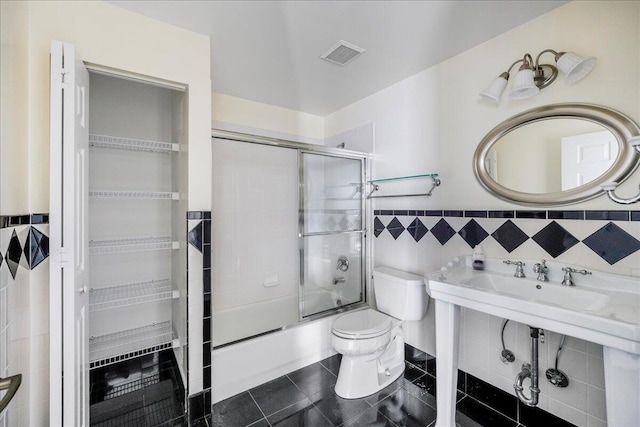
(24, 323)
(601, 240)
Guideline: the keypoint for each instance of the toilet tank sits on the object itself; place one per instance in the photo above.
(400, 294)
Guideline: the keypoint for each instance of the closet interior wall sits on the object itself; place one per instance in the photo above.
(137, 211)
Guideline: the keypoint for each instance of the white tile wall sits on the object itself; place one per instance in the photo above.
(15, 334)
(255, 198)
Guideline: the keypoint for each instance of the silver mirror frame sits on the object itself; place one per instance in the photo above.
(621, 126)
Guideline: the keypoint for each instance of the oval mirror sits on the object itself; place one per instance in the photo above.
(557, 154)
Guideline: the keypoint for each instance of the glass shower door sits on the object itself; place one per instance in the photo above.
(331, 232)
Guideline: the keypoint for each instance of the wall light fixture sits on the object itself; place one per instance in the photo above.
(533, 76)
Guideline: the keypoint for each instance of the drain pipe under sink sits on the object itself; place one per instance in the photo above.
(529, 371)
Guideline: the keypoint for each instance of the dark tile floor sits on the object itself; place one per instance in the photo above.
(306, 398)
(146, 391)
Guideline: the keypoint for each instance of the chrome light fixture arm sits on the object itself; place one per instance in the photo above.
(610, 187)
(545, 74)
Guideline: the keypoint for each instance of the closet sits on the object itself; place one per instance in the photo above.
(118, 241)
(137, 217)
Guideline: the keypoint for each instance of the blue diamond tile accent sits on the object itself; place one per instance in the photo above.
(195, 236)
(38, 248)
(378, 227)
(555, 239)
(473, 233)
(443, 231)
(612, 243)
(509, 236)
(395, 227)
(417, 229)
(14, 253)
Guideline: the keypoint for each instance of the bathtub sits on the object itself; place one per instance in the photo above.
(243, 365)
(237, 323)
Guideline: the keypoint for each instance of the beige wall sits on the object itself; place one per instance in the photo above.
(13, 108)
(238, 114)
(438, 116)
(107, 35)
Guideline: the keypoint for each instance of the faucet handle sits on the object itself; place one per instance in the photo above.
(573, 270)
(519, 264)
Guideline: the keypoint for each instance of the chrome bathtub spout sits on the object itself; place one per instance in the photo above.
(337, 280)
(529, 371)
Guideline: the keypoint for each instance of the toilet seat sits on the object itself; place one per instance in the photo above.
(362, 325)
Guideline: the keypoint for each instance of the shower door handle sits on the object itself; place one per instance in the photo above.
(10, 384)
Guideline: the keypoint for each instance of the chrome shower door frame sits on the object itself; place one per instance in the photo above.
(302, 234)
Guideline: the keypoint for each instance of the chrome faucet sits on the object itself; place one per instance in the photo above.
(541, 269)
(519, 270)
(568, 279)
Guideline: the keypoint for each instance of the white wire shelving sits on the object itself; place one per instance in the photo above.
(131, 144)
(140, 195)
(140, 244)
(130, 343)
(130, 294)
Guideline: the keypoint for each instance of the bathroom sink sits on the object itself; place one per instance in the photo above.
(602, 308)
(572, 298)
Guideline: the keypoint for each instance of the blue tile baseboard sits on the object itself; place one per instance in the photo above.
(609, 241)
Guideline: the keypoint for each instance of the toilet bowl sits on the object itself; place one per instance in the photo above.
(371, 342)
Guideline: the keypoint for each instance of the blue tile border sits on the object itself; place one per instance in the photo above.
(552, 237)
(591, 215)
(7, 221)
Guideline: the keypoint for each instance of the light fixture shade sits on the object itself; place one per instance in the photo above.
(523, 85)
(495, 89)
(575, 67)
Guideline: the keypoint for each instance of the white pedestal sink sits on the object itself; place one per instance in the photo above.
(601, 308)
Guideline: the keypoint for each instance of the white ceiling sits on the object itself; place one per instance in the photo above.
(268, 51)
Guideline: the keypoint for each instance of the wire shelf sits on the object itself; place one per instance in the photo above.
(129, 342)
(143, 244)
(130, 294)
(119, 143)
(143, 195)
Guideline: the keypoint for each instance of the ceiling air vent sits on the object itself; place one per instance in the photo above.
(342, 53)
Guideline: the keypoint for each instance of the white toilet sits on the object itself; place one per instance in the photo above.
(372, 343)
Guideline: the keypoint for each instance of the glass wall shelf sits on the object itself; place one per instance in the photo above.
(130, 294)
(435, 182)
(142, 244)
(119, 143)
